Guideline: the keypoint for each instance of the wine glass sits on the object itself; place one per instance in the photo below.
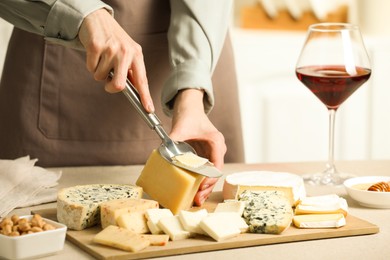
(333, 64)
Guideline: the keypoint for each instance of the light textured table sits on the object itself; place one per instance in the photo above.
(376, 246)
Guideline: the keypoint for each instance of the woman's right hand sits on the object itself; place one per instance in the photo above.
(109, 47)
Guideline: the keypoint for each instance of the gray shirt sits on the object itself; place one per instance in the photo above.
(196, 35)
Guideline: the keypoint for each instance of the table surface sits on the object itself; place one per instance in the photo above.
(374, 246)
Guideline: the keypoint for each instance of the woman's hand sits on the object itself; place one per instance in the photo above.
(191, 124)
(109, 47)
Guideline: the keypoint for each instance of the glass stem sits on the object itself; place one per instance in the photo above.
(330, 167)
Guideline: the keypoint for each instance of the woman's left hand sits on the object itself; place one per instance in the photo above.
(191, 124)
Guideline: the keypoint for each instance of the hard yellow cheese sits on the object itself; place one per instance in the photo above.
(121, 238)
(174, 188)
(111, 210)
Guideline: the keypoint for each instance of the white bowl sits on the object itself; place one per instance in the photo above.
(371, 199)
(33, 245)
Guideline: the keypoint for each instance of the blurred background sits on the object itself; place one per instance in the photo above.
(282, 120)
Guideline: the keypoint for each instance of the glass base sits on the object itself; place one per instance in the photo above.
(329, 178)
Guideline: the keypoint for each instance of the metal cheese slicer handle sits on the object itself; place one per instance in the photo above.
(172, 148)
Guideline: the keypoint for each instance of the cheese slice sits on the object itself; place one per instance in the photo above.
(173, 227)
(153, 216)
(157, 240)
(174, 188)
(111, 210)
(231, 206)
(324, 204)
(223, 225)
(319, 221)
(290, 184)
(133, 221)
(78, 207)
(121, 238)
(191, 220)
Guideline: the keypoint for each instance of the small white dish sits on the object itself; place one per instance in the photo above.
(33, 245)
(356, 188)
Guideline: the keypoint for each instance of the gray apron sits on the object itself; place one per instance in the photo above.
(53, 110)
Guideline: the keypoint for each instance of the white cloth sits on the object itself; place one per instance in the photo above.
(23, 184)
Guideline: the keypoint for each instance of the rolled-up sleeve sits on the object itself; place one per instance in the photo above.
(57, 20)
(196, 36)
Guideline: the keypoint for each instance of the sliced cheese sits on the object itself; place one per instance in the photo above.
(153, 216)
(319, 220)
(111, 210)
(157, 240)
(173, 227)
(324, 204)
(78, 207)
(174, 188)
(224, 225)
(231, 206)
(133, 221)
(190, 160)
(290, 184)
(121, 238)
(191, 220)
(266, 212)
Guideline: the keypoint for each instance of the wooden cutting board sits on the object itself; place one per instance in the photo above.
(83, 239)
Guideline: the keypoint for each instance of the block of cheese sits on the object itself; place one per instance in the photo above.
(324, 204)
(78, 207)
(319, 220)
(290, 184)
(133, 221)
(191, 220)
(266, 211)
(121, 238)
(157, 240)
(223, 225)
(231, 206)
(173, 187)
(111, 210)
(153, 216)
(173, 227)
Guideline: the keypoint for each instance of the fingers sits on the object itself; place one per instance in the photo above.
(205, 189)
(110, 48)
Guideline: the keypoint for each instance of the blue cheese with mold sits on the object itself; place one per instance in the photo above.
(78, 207)
(267, 212)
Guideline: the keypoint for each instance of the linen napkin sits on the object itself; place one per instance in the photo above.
(23, 184)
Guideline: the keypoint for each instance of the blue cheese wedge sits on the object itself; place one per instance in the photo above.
(267, 212)
(78, 207)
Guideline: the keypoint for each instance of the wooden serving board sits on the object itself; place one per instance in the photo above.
(83, 239)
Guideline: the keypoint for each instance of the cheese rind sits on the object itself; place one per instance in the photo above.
(319, 220)
(266, 212)
(78, 207)
(173, 187)
(111, 210)
(121, 238)
(290, 184)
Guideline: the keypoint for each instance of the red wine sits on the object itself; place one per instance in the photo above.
(332, 84)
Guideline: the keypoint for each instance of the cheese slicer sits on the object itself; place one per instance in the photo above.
(169, 149)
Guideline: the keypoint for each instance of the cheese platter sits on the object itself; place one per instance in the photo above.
(199, 243)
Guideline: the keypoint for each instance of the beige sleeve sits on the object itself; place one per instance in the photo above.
(196, 35)
(57, 20)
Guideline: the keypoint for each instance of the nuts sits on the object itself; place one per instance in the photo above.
(15, 226)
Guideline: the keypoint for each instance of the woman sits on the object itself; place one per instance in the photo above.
(52, 103)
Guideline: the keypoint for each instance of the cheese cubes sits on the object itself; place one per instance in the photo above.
(174, 188)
